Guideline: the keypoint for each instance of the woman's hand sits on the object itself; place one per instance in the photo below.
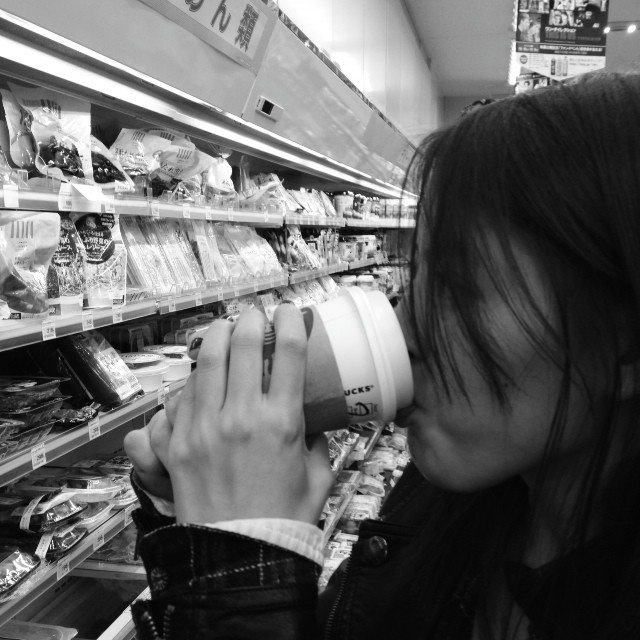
(233, 451)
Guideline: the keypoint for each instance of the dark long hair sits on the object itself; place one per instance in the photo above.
(558, 170)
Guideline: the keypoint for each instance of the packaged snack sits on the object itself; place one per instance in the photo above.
(15, 567)
(107, 170)
(95, 514)
(102, 372)
(50, 130)
(38, 413)
(205, 248)
(217, 178)
(134, 149)
(66, 274)
(233, 260)
(9, 427)
(53, 511)
(22, 391)
(29, 437)
(28, 241)
(106, 267)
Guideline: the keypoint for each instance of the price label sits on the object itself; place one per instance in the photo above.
(266, 216)
(63, 568)
(98, 540)
(230, 215)
(161, 395)
(87, 320)
(11, 196)
(220, 293)
(172, 305)
(208, 213)
(117, 316)
(155, 209)
(186, 211)
(127, 515)
(65, 197)
(48, 329)
(236, 292)
(38, 456)
(256, 287)
(198, 297)
(94, 428)
(110, 206)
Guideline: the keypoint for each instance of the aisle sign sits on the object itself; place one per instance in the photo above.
(559, 39)
(240, 29)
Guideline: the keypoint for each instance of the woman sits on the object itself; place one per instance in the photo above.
(518, 518)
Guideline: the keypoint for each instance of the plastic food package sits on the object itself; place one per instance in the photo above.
(15, 566)
(233, 260)
(35, 414)
(177, 252)
(28, 240)
(22, 391)
(95, 514)
(19, 630)
(52, 545)
(146, 264)
(217, 178)
(106, 267)
(9, 427)
(66, 274)
(135, 148)
(53, 510)
(205, 247)
(29, 437)
(120, 549)
(49, 131)
(101, 369)
(107, 170)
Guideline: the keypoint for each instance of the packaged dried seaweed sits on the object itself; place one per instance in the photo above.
(106, 266)
(66, 277)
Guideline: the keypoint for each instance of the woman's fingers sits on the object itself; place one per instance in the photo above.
(213, 361)
(246, 361)
(290, 359)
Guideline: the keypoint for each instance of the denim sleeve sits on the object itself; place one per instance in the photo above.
(207, 583)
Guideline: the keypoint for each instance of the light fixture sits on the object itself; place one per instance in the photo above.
(625, 25)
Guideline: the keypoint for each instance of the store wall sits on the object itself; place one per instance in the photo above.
(375, 45)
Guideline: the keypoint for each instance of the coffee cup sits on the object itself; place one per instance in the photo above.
(358, 367)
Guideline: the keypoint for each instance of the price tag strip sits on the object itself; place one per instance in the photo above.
(48, 329)
(87, 320)
(94, 428)
(11, 196)
(38, 456)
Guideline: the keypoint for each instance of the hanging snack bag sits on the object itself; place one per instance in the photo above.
(106, 268)
(28, 240)
(107, 170)
(60, 127)
(135, 149)
(65, 277)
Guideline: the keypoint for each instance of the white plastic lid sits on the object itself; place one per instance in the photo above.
(138, 360)
(384, 331)
(365, 278)
(158, 369)
(348, 278)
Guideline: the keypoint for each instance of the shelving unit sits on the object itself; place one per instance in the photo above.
(31, 53)
(50, 575)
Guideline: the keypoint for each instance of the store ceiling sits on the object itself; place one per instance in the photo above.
(469, 42)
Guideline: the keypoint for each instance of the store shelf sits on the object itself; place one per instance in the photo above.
(55, 572)
(313, 221)
(49, 200)
(19, 333)
(303, 276)
(59, 444)
(367, 262)
(380, 223)
(110, 570)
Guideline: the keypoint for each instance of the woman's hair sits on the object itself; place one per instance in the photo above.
(557, 171)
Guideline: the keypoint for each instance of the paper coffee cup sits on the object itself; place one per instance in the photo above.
(358, 367)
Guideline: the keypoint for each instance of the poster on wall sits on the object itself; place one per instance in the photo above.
(240, 29)
(560, 39)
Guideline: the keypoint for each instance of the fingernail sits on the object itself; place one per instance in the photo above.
(287, 302)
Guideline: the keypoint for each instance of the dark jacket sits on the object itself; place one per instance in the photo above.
(415, 573)
(212, 584)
